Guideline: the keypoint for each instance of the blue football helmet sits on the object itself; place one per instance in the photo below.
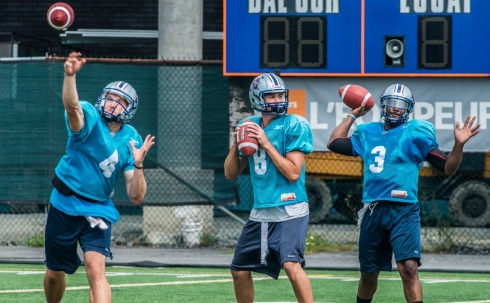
(123, 90)
(269, 84)
(399, 96)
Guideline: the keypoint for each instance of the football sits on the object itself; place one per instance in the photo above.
(247, 145)
(60, 16)
(353, 95)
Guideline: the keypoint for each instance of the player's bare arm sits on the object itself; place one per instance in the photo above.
(461, 136)
(70, 95)
(135, 179)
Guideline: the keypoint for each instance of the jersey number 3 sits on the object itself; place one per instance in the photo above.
(379, 159)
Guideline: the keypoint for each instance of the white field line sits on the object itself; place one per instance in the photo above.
(131, 285)
(181, 275)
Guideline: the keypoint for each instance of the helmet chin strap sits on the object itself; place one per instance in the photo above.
(109, 118)
(396, 122)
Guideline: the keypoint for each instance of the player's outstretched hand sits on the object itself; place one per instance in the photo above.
(140, 153)
(462, 135)
(74, 63)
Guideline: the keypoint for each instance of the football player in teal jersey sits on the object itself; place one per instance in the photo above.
(275, 234)
(81, 212)
(392, 152)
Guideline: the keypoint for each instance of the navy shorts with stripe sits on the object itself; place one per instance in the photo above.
(283, 242)
(389, 228)
(64, 232)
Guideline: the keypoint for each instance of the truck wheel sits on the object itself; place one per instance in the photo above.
(319, 199)
(470, 204)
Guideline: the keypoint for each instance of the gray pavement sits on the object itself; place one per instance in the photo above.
(216, 257)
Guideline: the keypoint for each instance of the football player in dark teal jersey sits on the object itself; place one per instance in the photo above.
(392, 152)
(275, 234)
(81, 212)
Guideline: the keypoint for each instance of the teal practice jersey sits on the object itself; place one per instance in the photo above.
(271, 189)
(392, 159)
(92, 161)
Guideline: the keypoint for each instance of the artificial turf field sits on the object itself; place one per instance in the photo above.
(23, 283)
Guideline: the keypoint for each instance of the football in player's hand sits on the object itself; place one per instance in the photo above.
(354, 95)
(247, 145)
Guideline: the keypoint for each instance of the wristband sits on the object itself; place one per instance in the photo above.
(138, 167)
(353, 117)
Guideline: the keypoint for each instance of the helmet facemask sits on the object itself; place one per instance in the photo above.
(123, 90)
(109, 115)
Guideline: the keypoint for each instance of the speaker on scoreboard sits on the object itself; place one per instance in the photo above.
(394, 51)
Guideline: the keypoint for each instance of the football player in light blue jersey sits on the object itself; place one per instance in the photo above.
(392, 152)
(100, 144)
(275, 234)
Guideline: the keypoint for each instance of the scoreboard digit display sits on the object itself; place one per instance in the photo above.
(433, 38)
(294, 42)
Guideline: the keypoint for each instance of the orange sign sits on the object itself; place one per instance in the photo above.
(297, 102)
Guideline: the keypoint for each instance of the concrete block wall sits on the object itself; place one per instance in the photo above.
(26, 20)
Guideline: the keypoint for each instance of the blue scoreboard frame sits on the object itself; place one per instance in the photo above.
(393, 38)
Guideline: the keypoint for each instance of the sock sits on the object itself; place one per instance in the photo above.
(359, 300)
(419, 302)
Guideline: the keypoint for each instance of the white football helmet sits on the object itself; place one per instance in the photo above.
(268, 84)
(123, 90)
(399, 96)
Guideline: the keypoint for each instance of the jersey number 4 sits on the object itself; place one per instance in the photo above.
(109, 165)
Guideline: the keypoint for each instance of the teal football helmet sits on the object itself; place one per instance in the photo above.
(123, 90)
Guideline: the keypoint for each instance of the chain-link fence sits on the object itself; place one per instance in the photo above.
(191, 109)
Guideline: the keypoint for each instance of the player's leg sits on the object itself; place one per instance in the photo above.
(61, 234)
(96, 244)
(300, 281)
(243, 285)
(245, 259)
(292, 237)
(405, 237)
(251, 255)
(375, 252)
(368, 284)
(100, 290)
(54, 285)
(412, 288)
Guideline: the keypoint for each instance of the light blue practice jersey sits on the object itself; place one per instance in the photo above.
(271, 189)
(92, 161)
(392, 159)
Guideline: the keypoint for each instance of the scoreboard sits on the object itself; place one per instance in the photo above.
(390, 38)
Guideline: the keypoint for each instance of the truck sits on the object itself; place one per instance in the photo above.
(334, 182)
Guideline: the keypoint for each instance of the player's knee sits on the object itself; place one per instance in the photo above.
(408, 269)
(240, 274)
(54, 277)
(292, 269)
(369, 279)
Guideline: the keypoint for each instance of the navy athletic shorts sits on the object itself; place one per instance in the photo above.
(264, 247)
(389, 228)
(63, 232)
